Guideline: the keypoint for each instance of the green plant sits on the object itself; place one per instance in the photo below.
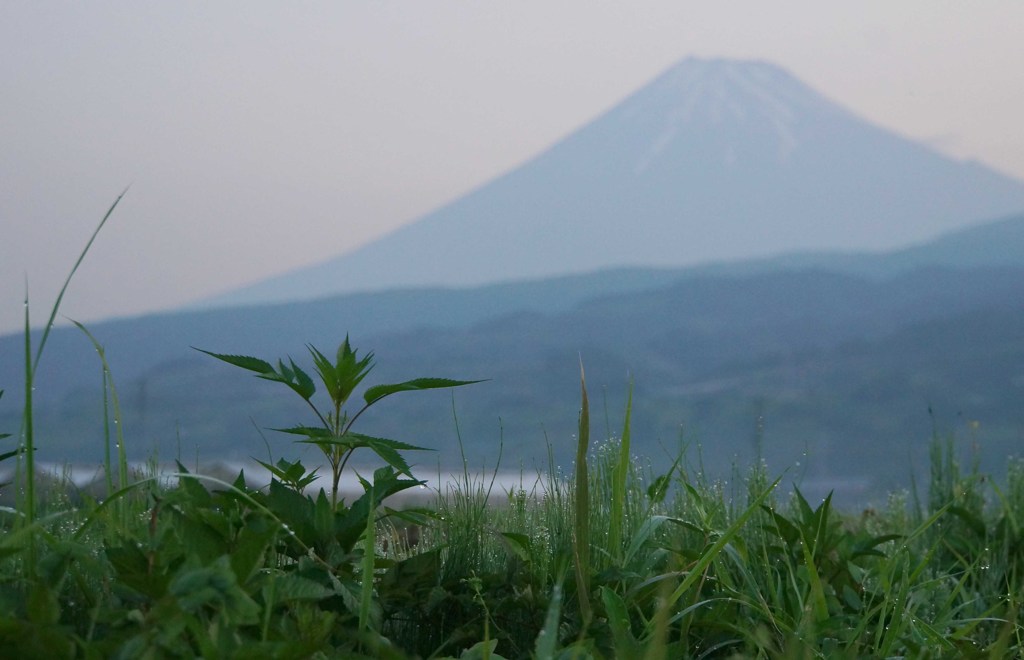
(32, 365)
(340, 378)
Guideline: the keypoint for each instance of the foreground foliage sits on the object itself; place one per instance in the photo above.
(674, 567)
(614, 560)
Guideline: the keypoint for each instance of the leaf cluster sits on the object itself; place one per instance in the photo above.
(340, 379)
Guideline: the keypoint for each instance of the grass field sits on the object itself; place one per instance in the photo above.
(632, 562)
(614, 558)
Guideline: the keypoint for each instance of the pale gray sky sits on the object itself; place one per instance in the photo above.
(258, 137)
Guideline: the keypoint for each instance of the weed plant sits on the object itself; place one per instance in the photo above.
(613, 559)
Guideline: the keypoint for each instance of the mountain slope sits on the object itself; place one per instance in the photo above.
(839, 366)
(135, 346)
(712, 161)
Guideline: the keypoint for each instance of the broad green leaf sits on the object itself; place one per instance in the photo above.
(393, 444)
(618, 620)
(643, 535)
(325, 369)
(378, 392)
(304, 385)
(251, 547)
(323, 516)
(343, 375)
(291, 508)
(214, 585)
(243, 361)
(518, 544)
(388, 450)
(294, 473)
(308, 431)
(293, 377)
(295, 587)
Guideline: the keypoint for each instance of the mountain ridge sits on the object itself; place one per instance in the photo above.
(714, 160)
(838, 365)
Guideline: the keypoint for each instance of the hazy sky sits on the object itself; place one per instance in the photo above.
(258, 137)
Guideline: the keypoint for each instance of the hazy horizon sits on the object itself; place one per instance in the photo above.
(262, 140)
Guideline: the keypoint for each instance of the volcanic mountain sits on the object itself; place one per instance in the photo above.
(714, 160)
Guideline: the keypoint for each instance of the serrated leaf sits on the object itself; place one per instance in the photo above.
(250, 547)
(325, 369)
(214, 585)
(343, 375)
(308, 431)
(378, 392)
(388, 451)
(296, 587)
(273, 469)
(393, 444)
(304, 385)
(243, 361)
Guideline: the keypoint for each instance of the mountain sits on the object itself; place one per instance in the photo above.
(136, 346)
(714, 160)
(834, 371)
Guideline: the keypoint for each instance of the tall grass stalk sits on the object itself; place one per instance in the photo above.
(367, 568)
(32, 365)
(581, 537)
(108, 380)
(621, 468)
(28, 432)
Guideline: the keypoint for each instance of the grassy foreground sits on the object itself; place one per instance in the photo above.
(615, 560)
(655, 565)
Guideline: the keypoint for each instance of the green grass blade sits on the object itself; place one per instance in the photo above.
(619, 473)
(819, 605)
(27, 415)
(122, 454)
(709, 556)
(31, 365)
(581, 536)
(369, 554)
(74, 269)
(547, 640)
